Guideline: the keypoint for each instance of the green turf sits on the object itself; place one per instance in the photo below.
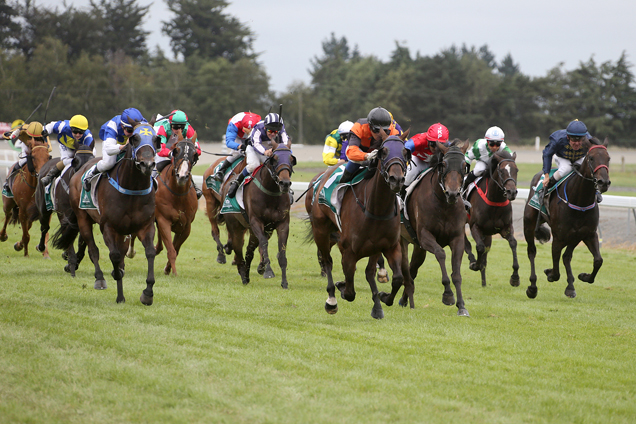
(211, 350)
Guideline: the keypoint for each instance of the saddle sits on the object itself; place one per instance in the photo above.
(214, 185)
(333, 191)
(536, 203)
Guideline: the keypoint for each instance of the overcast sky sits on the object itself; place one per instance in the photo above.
(539, 34)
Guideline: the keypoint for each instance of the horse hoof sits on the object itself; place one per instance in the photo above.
(550, 275)
(4, 237)
(531, 292)
(448, 300)
(473, 266)
(65, 256)
(402, 302)
(39, 248)
(101, 285)
(386, 298)
(220, 259)
(246, 281)
(146, 300)
(584, 276)
(331, 309)
(17, 246)
(514, 281)
(377, 313)
(284, 285)
(166, 270)
(133, 253)
(383, 276)
(269, 274)
(122, 300)
(67, 268)
(261, 269)
(570, 293)
(463, 313)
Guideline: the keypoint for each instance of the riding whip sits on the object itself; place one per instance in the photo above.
(34, 110)
(48, 103)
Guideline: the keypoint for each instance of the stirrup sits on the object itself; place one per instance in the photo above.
(467, 204)
(218, 176)
(599, 197)
(231, 192)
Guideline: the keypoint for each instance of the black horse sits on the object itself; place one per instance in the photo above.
(573, 217)
(61, 202)
(126, 202)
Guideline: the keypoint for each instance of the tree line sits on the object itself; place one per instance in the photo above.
(99, 60)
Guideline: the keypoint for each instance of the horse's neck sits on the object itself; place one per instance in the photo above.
(496, 192)
(377, 196)
(129, 176)
(580, 189)
(264, 175)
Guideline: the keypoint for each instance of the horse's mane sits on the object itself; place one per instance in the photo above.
(503, 154)
(438, 155)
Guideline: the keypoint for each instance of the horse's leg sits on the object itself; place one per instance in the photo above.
(71, 266)
(323, 243)
(147, 237)
(44, 231)
(428, 243)
(512, 242)
(86, 233)
(346, 287)
(116, 247)
(409, 287)
(484, 259)
(394, 258)
(383, 275)
(282, 231)
(567, 264)
(528, 232)
(468, 248)
(258, 231)
(179, 239)
(165, 235)
(480, 247)
(212, 206)
(457, 253)
(322, 266)
(25, 222)
(554, 274)
(369, 273)
(131, 247)
(592, 245)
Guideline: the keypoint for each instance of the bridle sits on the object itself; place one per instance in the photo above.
(453, 150)
(498, 181)
(274, 172)
(589, 164)
(386, 164)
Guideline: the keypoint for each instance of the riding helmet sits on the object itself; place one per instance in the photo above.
(273, 122)
(345, 127)
(179, 118)
(437, 132)
(250, 119)
(34, 129)
(131, 117)
(495, 134)
(379, 118)
(576, 128)
(79, 121)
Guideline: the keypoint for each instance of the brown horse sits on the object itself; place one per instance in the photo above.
(38, 210)
(23, 188)
(370, 226)
(126, 202)
(214, 201)
(437, 220)
(491, 213)
(176, 201)
(267, 203)
(573, 217)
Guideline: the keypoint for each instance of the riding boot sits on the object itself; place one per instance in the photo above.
(52, 174)
(89, 176)
(218, 176)
(197, 190)
(234, 185)
(346, 176)
(12, 171)
(470, 177)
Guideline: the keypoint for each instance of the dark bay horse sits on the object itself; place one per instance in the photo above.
(16, 209)
(267, 205)
(176, 201)
(491, 213)
(370, 226)
(437, 219)
(38, 211)
(213, 203)
(573, 217)
(126, 202)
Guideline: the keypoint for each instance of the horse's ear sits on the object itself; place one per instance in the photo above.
(135, 139)
(514, 156)
(464, 145)
(606, 142)
(293, 160)
(156, 141)
(405, 134)
(440, 146)
(407, 154)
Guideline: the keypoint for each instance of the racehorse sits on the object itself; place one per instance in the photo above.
(23, 188)
(491, 213)
(176, 201)
(370, 226)
(38, 210)
(573, 217)
(437, 220)
(213, 203)
(267, 204)
(126, 206)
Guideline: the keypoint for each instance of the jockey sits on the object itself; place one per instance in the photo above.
(566, 148)
(115, 134)
(366, 137)
(482, 151)
(70, 134)
(178, 124)
(334, 143)
(422, 152)
(239, 128)
(19, 138)
(259, 148)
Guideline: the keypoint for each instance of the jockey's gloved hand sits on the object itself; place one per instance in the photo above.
(371, 155)
(45, 133)
(7, 135)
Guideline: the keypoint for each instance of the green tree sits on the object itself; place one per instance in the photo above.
(119, 23)
(201, 28)
(9, 26)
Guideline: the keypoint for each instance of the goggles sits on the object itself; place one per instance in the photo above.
(494, 143)
(177, 126)
(377, 129)
(576, 138)
(270, 131)
(77, 131)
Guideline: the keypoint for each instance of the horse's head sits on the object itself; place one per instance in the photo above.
(82, 155)
(392, 160)
(143, 143)
(184, 157)
(597, 167)
(281, 165)
(503, 170)
(39, 154)
(451, 168)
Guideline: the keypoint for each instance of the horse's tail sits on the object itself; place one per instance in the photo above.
(542, 234)
(14, 216)
(66, 234)
(309, 233)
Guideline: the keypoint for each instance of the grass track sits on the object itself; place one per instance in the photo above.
(211, 350)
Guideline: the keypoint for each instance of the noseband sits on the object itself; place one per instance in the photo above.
(390, 161)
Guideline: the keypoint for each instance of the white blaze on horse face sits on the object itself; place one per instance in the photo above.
(507, 168)
(183, 170)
